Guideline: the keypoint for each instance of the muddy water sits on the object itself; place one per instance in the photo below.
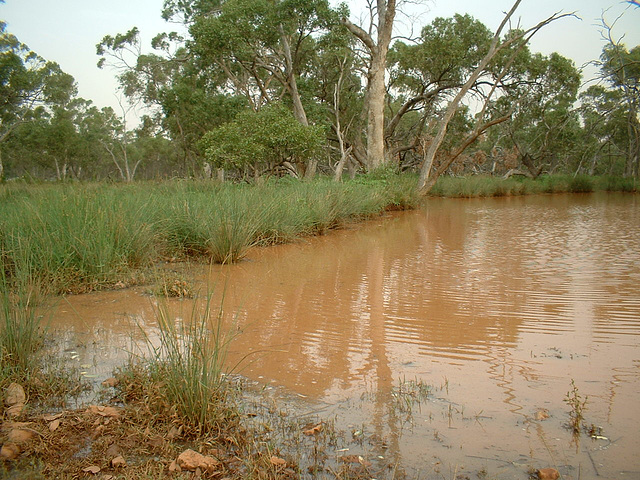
(495, 304)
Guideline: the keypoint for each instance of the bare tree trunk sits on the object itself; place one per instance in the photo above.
(292, 84)
(376, 89)
(344, 153)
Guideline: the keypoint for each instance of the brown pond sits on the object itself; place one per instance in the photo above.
(496, 304)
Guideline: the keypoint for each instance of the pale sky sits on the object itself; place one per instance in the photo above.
(67, 31)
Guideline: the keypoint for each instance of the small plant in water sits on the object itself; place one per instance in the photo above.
(409, 393)
(577, 405)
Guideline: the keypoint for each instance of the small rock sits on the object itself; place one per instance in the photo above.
(174, 467)
(14, 395)
(548, 474)
(191, 460)
(9, 451)
(118, 462)
(54, 425)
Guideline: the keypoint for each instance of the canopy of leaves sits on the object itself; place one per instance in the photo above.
(26, 82)
(447, 50)
(268, 137)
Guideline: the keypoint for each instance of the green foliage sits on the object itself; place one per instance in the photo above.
(544, 126)
(611, 115)
(420, 66)
(27, 81)
(266, 138)
(84, 237)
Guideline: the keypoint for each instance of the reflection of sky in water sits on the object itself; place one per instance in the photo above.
(506, 300)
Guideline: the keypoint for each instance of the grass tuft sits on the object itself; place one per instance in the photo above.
(188, 366)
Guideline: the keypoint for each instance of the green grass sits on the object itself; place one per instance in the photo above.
(82, 237)
(189, 365)
(487, 186)
(21, 333)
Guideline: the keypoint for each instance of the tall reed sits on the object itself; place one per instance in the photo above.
(21, 333)
(81, 237)
(189, 362)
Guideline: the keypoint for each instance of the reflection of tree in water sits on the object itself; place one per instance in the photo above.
(339, 306)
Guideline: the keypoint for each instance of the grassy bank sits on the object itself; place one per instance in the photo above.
(81, 237)
(486, 186)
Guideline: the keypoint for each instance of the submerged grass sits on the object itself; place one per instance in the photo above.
(26, 357)
(21, 333)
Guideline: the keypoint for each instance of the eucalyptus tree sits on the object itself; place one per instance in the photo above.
(27, 82)
(495, 64)
(621, 69)
(426, 74)
(262, 46)
(540, 92)
(376, 40)
(604, 142)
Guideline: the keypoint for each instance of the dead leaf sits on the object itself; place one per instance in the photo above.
(104, 411)
(313, 430)
(20, 436)
(92, 469)
(53, 425)
(9, 451)
(113, 450)
(355, 459)
(542, 414)
(15, 410)
(278, 462)
(14, 394)
(110, 382)
(52, 417)
(156, 442)
(118, 462)
(174, 467)
(174, 432)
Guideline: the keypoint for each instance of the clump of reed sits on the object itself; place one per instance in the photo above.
(185, 372)
(81, 237)
(21, 332)
(72, 238)
(26, 356)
